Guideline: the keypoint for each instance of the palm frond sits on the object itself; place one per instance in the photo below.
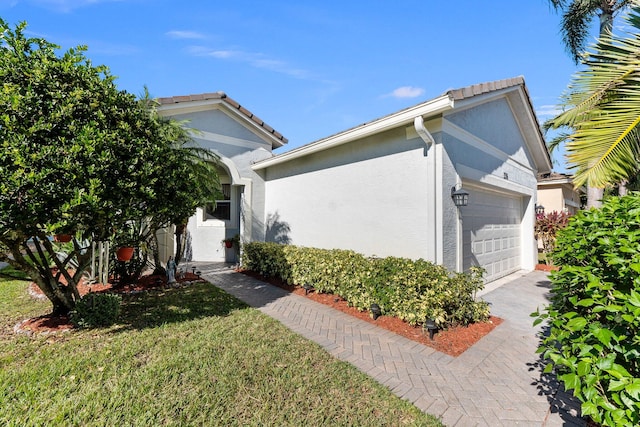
(557, 140)
(575, 26)
(602, 102)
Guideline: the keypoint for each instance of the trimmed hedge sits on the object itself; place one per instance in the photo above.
(593, 345)
(403, 288)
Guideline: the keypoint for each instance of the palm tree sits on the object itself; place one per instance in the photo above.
(577, 15)
(602, 110)
(185, 159)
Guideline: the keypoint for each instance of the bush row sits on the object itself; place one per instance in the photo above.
(403, 288)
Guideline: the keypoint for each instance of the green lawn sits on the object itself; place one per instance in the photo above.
(192, 356)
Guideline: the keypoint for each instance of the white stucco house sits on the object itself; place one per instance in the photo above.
(384, 188)
(240, 139)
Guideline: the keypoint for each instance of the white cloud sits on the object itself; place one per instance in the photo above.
(190, 35)
(257, 60)
(407, 92)
(548, 111)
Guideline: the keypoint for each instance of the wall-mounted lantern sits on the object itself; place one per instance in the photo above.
(539, 210)
(460, 197)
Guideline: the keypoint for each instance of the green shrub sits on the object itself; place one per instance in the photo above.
(594, 316)
(96, 310)
(403, 288)
(265, 258)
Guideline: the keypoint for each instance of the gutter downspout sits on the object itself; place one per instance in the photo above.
(423, 133)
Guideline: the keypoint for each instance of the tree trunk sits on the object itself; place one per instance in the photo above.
(34, 257)
(181, 231)
(622, 188)
(594, 197)
(606, 18)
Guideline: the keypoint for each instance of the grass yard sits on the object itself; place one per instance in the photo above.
(191, 356)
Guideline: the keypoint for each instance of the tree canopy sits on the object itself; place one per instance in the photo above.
(80, 156)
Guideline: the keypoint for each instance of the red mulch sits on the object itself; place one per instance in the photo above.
(546, 267)
(453, 341)
(55, 323)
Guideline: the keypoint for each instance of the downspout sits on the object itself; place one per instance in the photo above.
(423, 133)
(418, 124)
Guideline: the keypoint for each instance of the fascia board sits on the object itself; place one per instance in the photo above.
(555, 182)
(430, 108)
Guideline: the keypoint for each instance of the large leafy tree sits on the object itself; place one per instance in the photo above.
(577, 16)
(77, 156)
(602, 110)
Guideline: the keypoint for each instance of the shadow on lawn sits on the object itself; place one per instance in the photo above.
(163, 306)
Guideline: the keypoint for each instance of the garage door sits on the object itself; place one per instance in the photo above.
(491, 232)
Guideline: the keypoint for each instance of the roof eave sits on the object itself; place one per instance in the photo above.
(430, 108)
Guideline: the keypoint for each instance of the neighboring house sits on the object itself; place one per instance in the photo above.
(557, 193)
(383, 188)
(240, 139)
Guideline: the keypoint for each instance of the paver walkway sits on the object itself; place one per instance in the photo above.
(497, 382)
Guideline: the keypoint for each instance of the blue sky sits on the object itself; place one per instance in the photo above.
(311, 69)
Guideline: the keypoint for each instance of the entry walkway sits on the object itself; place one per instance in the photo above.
(497, 382)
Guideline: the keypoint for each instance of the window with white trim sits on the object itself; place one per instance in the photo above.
(221, 209)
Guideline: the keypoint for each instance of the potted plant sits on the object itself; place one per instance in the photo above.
(125, 240)
(229, 242)
(62, 238)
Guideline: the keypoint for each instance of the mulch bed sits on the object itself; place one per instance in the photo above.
(547, 267)
(453, 341)
(49, 323)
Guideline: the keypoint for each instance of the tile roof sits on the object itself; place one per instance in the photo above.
(480, 88)
(231, 103)
(554, 176)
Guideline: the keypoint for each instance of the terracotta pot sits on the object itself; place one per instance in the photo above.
(62, 238)
(228, 244)
(125, 253)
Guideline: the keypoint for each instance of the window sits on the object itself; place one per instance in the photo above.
(222, 209)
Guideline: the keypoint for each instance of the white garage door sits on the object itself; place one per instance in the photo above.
(491, 232)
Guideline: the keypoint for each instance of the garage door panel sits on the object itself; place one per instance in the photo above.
(491, 233)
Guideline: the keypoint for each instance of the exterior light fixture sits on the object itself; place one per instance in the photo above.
(193, 269)
(539, 210)
(460, 197)
(376, 311)
(307, 287)
(430, 326)
(198, 273)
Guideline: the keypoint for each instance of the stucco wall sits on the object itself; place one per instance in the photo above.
(370, 196)
(483, 146)
(494, 122)
(240, 148)
(552, 198)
